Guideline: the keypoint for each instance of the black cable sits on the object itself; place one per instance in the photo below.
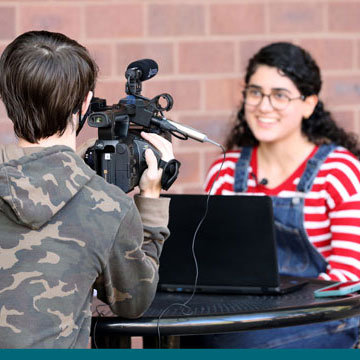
(99, 314)
(184, 305)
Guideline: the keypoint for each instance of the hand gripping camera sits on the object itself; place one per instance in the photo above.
(119, 153)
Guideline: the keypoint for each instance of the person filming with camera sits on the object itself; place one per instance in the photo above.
(63, 229)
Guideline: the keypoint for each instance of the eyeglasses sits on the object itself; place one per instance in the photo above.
(278, 99)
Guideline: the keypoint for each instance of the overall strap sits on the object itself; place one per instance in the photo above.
(313, 166)
(242, 170)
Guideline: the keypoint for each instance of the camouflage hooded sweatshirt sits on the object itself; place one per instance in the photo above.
(63, 231)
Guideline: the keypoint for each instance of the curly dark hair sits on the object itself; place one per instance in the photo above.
(298, 65)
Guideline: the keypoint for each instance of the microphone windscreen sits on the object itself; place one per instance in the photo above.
(148, 68)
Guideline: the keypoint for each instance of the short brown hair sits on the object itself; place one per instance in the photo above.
(44, 79)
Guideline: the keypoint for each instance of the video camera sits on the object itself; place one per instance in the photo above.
(119, 153)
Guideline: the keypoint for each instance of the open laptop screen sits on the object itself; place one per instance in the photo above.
(235, 245)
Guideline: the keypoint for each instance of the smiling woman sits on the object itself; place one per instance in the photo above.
(285, 145)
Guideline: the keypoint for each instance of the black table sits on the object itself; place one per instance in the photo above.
(216, 313)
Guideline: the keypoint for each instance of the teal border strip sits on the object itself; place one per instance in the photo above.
(180, 354)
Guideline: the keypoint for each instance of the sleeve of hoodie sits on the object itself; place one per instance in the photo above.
(129, 281)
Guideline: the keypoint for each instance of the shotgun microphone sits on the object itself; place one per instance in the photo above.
(184, 130)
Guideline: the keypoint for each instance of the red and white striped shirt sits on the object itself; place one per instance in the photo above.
(331, 210)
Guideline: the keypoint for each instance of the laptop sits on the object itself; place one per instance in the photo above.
(235, 247)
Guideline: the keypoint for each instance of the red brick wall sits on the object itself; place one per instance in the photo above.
(201, 47)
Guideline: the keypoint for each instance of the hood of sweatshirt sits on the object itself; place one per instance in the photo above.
(36, 183)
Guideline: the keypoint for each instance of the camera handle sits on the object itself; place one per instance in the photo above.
(170, 172)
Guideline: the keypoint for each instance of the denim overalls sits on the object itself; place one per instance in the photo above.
(296, 256)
